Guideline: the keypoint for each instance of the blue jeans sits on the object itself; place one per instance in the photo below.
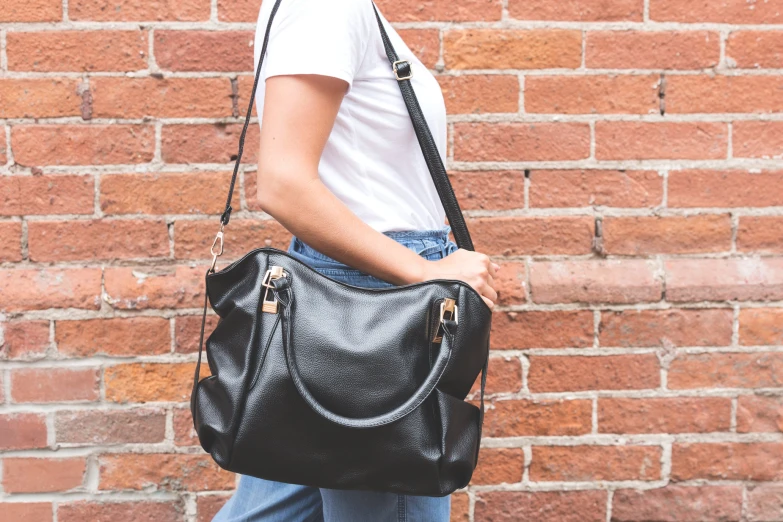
(258, 500)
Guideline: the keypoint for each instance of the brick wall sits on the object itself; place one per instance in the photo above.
(619, 158)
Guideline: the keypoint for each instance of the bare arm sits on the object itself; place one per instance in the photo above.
(299, 113)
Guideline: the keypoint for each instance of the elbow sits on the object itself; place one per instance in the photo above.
(272, 190)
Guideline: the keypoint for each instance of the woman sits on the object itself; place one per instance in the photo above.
(341, 168)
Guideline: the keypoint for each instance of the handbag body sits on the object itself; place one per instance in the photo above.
(321, 383)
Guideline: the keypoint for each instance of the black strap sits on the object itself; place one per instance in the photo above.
(402, 70)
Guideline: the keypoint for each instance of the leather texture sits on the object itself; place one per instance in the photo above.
(343, 387)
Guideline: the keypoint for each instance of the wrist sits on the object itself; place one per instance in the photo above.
(417, 271)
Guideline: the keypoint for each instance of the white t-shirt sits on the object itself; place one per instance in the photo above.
(372, 160)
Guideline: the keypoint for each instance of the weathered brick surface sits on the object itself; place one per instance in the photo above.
(587, 463)
(31, 475)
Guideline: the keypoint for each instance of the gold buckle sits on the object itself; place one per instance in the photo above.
(269, 305)
(447, 306)
(218, 241)
(396, 72)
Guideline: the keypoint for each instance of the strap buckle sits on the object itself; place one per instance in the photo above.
(269, 304)
(448, 311)
(217, 242)
(396, 69)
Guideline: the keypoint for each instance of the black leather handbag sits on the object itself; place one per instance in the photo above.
(325, 384)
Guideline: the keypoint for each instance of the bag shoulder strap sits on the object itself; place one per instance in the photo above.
(403, 72)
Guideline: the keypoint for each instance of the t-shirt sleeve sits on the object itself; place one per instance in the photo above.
(325, 37)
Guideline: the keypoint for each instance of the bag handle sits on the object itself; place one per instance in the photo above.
(402, 72)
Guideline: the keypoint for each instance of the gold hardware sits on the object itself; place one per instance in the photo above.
(269, 304)
(396, 71)
(447, 307)
(219, 243)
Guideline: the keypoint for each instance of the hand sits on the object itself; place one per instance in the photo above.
(473, 268)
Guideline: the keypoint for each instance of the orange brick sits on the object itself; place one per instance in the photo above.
(82, 144)
(518, 418)
(725, 188)
(150, 382)
(27, 511)
(760, 326)
(238, 10)
(460, 507)
(759, 414)
(600, 281)
(480, 93)
(31, 11)
(440, 10)
(729, 11)
(55, 384)
(30, 289)
(39, 98)
(19, 431)
(532, 235)
(46, 194)
(177, 472)
(737, 94)
(117, 336)
(164, 193)
(724, 279)
(512, 49)
(588, 463)
(727, 461)
(678, 503)
(192, 239)
(666, 328)
(499, 466)
(539, 329)
(99, 427)
(151, 287)
(87, 51)
(664, 415)
(755, 49)
(510, 282)
(210, 143)
(423, 43)
(504, 375)
(726, 370)
(186, 331)
(207, 506)
(757, 139)
(97, 239)
(24, 339)
(577, 10)
(11, 237)
(541, 506)
(764, 501)
(106, 511)
(579, 373)
(628, 140)
(184, 433)
(652, 50)
(132, 10)
(645, 235)
(548, 141)
(489, 190)
(30, 475)
(581, 188)
(592, 94)
(224, 51)
(760, 234)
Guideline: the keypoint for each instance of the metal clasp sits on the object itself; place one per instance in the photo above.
(395, 68)
(218, 242)
(448, 311)
(269, 304)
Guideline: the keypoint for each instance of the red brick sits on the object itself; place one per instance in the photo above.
(652, 50)
(724, 279)
(184, 433)
(128, 511)
(238, 10)
(577, 10)
(532, 235)
(117, 336)
(31, 11)
(547, 141)
(192, 239)
(592, 94)
(678, 504)
(757, 139)
(760, 234)
(726, 370)
(423, 43)
(510, 282)
(161, 97)
(755, 49)
(3, 155)
(150, 382)
(223, 51)
(208, 143)
(186, 331)
(725, 188)
(582, 188)
(24, 339)
(39, 98)
(518, 418)
(19, 431)
(82, 144)
(155, 287)
(460, 507)
(736, 94)
(666, 328)
(541, 506)
(760, 326)
(97, 239)
(30, 475)
(730, 11)
(628, 140)
(600, 281)
(77, 51)
(27, 511)
(164, 193)
(175, 472)
(542, 329)
(647, 235)
(727, 461)
(504, 375)
(589, 463)
(440, 10)
(480, 93)
(11, 237)
(512, 49)
(132, 10)
(756, 413)
(489, 190)
(99, 427)
(55, 384)
(499, 465)
(46, 194)
(764, 502)
(664, 415)
(30, 289)
(207, 506)
(579, 373)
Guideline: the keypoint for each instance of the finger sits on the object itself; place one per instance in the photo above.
(489, 303)
(493, 268)
(489, 292)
